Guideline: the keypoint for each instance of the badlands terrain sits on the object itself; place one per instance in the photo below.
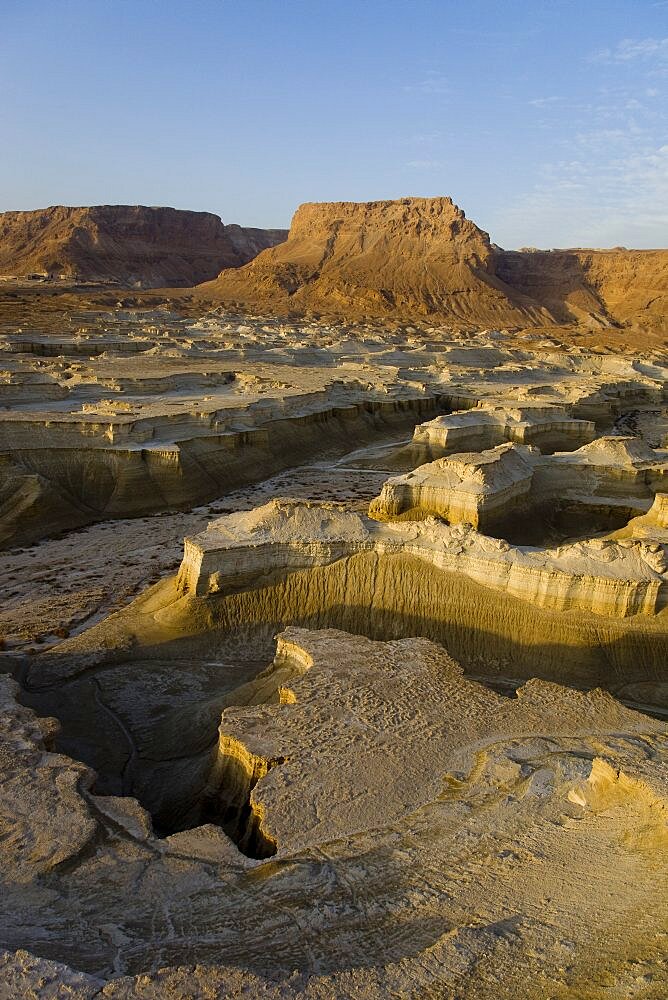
(333, 615)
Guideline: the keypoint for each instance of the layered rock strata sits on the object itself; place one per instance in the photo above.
(64, 472)
(618, 476)
(488, 425)
(652, 526)
(128, 413)
(476, 488)
(603, 577)
(612, 468)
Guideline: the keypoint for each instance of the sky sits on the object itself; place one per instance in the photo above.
(545, 120)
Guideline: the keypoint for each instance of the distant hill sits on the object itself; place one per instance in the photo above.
(421, 257)
(616, 287)
(128, 244)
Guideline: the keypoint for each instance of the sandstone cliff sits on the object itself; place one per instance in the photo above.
(593, 287)
(412, 257)
(128, 244)
(421, 257)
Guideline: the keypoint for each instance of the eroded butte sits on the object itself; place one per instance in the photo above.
(334, 651)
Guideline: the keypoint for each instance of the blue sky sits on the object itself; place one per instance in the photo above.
(545, 120)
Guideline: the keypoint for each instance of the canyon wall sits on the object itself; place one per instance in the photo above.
(587, 613)
(55, 477)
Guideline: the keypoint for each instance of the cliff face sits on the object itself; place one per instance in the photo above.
(596, 576)
(413, 257)
(593, 287)
(421, 257)
(128, 244)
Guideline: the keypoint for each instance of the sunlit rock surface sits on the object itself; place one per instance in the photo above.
(429, 835)
(476, 488)
(357, 818)
(548, 427)
(498, 490)
(602, 576)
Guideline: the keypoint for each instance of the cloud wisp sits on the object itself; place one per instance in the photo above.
(630, 50)
(605, 181)
(433, 82)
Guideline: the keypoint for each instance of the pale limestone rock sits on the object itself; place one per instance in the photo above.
(44, 820)
(513, 482)
(414, 813)
(487, 426)
(600, 576)
(433, 838)
(615, 468)
(652, 526)
(25, 977)
(479, 489)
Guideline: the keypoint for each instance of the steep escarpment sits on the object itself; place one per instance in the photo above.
(129, 244)
(593, 287)
(419, 257)
(410, 257)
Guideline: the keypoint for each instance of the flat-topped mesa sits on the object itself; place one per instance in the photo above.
(410, 257)
(428, 218)
(480, 489)
(546, 427)
(128, 244)
(286, 537)
(416, 257)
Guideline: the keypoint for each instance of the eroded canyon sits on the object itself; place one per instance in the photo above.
(333, 650)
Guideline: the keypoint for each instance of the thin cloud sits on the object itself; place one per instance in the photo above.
(433, 82)
(583, 202)
(426, 138)
(424, 164)
(542, 102)
(630, 50)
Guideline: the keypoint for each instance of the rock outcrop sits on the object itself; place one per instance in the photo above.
(652, 526)
(127, 244)
(476, 488)
(608, 470)
(503, 487)
(603, 577)
(549, 428)
(421, 257)
(414, 257)
(431, 838)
